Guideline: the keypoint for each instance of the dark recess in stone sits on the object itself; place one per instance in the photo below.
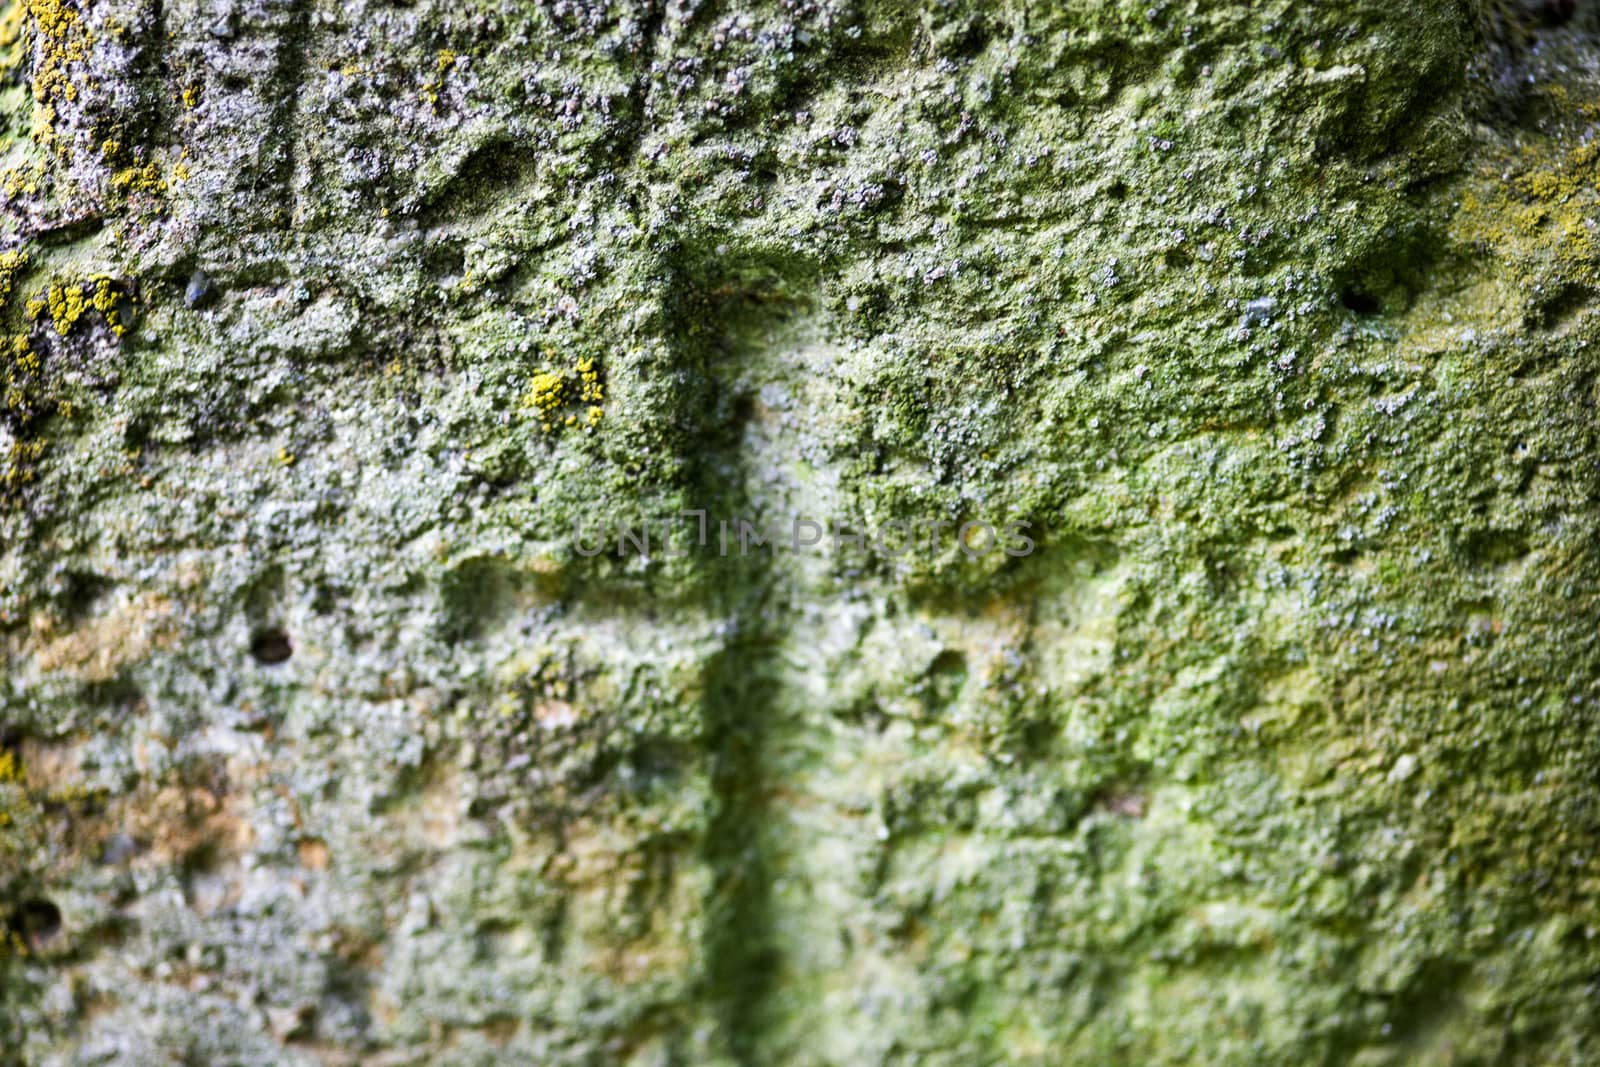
(269, 647)
(36, 921)
(1361, 302)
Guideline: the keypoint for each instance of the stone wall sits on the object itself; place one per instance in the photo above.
(332, 330)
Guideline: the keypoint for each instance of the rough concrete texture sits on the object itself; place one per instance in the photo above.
(325, 324)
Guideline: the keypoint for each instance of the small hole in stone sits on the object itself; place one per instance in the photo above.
(1362, 303)
(270, 647)
(37, 921)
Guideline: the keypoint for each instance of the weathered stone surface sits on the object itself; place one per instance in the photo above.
(326, 325)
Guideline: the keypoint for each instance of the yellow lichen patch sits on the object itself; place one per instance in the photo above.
(180, 167)
(20, 399)
(66, 40)
(43, 130)
(12, 15)
(1522, 230)
(21, 180)
(546, 394)
(191, 97)
(11, 264)
(67, 305)
(104, 301)
(19, 818)
(19, 375)
(594, 389)
(20, 359)
(430, 89)
(68, 302)
(18, 465)
(1538, 204)
(551, 392)
(1536, 213)
(63, 39)
(145, 179)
